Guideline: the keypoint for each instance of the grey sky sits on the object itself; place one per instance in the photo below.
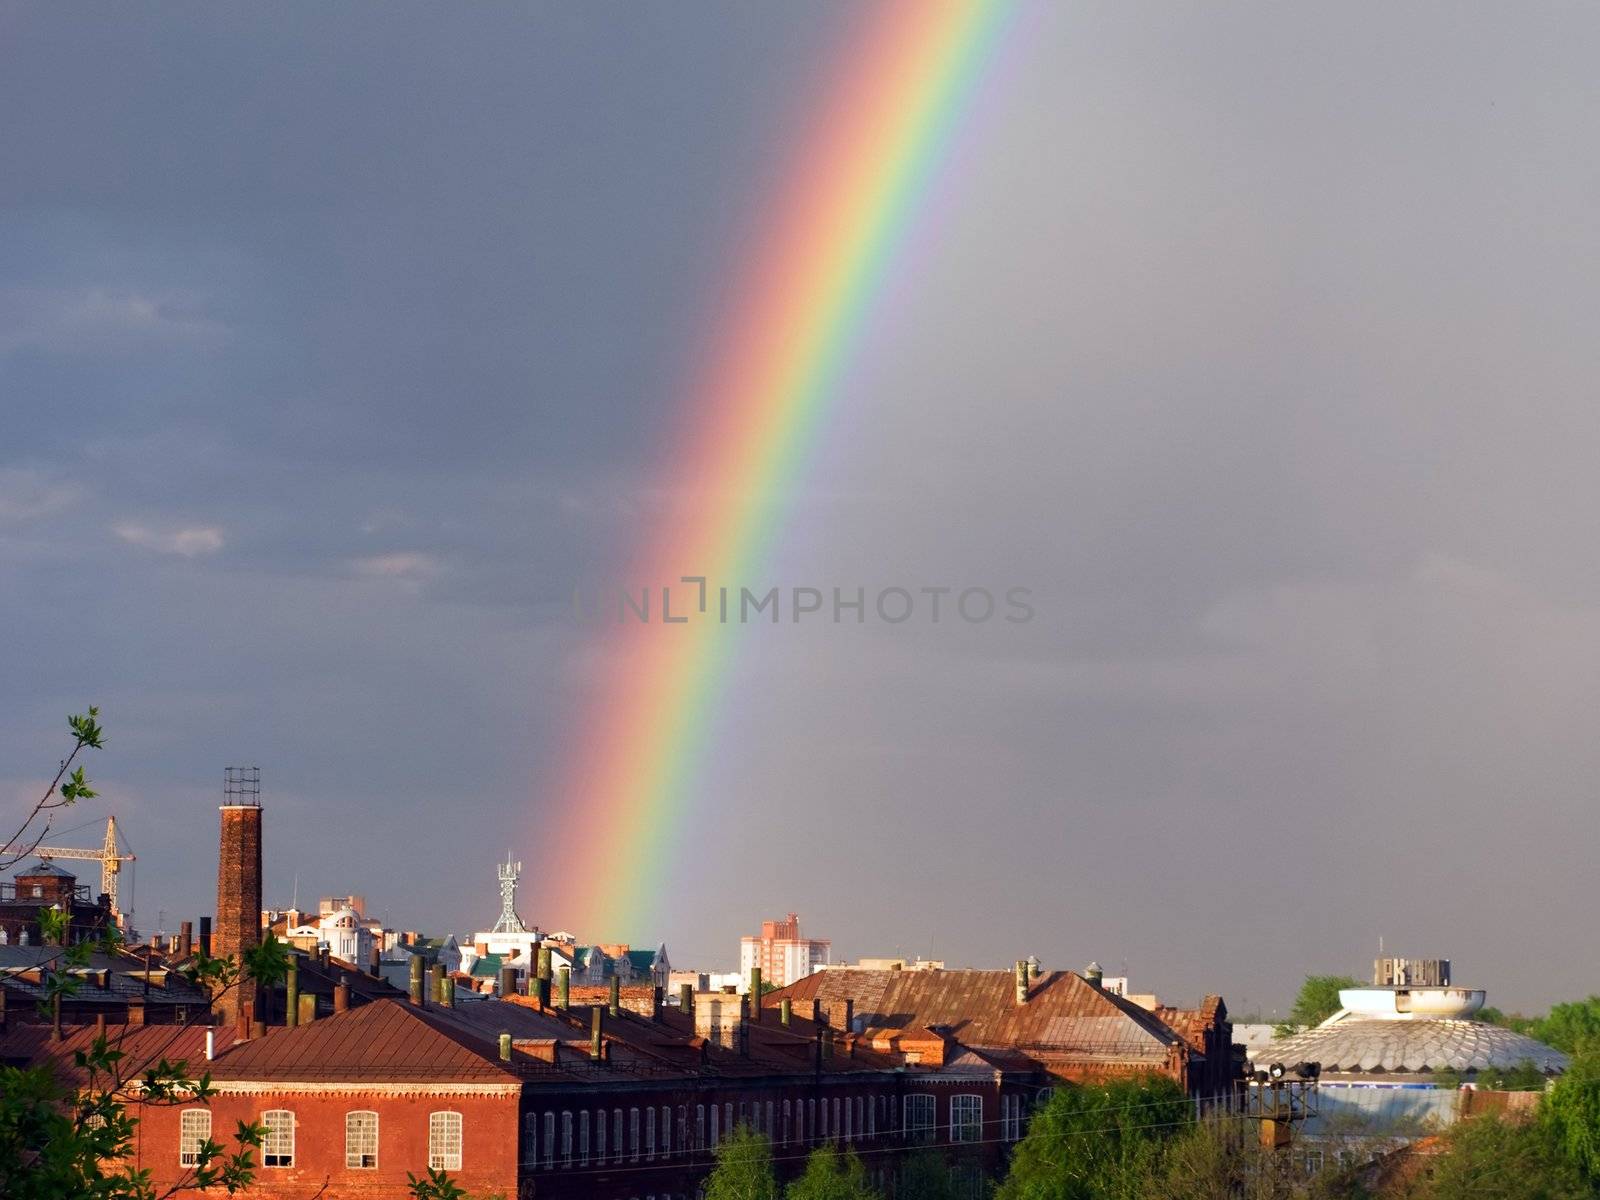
(1257, 340)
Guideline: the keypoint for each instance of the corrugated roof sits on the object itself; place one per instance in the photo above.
(1064, 1014)
(386, 1041)
(142, 1046)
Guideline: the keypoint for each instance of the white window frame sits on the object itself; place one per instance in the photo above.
(194, 1130)
(633, 1135)
(445, 1139)
(920, 1112)
(966, 1117)
(650, 1134)
(566, 1139)
(277, 1147)
(583, 1138)
(699, 1126)
(360, 1141)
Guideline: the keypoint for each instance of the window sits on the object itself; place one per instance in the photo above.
(360, 1139)
(530, 1139)
(549, 1140)
(714, 1127)
(666, 1132)
(616, 1135)
(849, 1120)
(966, 1118)
(811, 1118)
(919, 1118)
(566, 1139)
(194, 1127)
(583, 1138)
(834, 1126)
(787, 1128)
(767, 1128)
(872, 1117)
(277, 1148)
(727, 1120)
(600, 1134)
(633, 1134)
(444, 1140)
(650, 1134)
(699, 1126)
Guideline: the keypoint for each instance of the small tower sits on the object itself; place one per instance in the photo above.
(509, 922)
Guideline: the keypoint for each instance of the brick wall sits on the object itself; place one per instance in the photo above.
(489, 1140)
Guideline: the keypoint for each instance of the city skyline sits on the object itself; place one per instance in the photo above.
(337, 353)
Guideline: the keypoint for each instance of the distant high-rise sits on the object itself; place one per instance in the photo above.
(781, 953)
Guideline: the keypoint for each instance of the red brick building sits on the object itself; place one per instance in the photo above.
(979, 1048)
(511, 1097)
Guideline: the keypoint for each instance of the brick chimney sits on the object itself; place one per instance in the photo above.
(238, 925)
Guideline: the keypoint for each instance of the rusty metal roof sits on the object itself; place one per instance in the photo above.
(1064, 1013)
(141, 1045)
(382, 1042)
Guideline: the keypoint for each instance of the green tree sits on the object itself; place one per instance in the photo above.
(744, 1168)
(1319, 999)
(1568, 1025)
(1570, 1114)
(1096, 1143)
(76, 1140)
(1495, 1159)
(924, 1175)
(831, 1175)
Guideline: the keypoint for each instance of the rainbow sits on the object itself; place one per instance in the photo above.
(824, 251)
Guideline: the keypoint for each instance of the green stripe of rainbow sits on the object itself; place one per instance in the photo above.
(853, 192)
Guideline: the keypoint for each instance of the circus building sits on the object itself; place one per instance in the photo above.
(1408, 1050)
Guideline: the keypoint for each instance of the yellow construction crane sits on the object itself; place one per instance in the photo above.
(107, 856)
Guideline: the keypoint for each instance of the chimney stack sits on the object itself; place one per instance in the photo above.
(375, 962)
(686, 997)
(755, 994)
(341, 995)
(785, 1012)
(505, 1047)
(597, 1024)
(508, 981)
(205, 936)
(415, 981)
(1022, 980)
(564, 987)
(239, 867)
(291, 993)
(186, 939)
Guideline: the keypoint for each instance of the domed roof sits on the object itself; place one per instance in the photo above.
(1372, 1046)
(341, 918)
